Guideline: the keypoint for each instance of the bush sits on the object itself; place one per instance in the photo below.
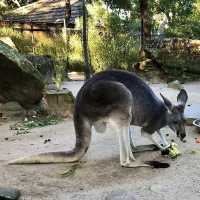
(113, 52)
(76, 61)
(187, 27)
(53, 46)
(23, 44)
(58, 49)
(111, 44)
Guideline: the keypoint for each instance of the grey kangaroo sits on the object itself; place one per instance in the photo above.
(121, 99)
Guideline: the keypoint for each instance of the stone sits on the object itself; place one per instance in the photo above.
(8, 41)
(44, 65)
(9, 193)
(155, 188)
(11, 106)
(20, 81)
(12, 110)
(120, 195)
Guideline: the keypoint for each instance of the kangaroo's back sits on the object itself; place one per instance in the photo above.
(145, 104)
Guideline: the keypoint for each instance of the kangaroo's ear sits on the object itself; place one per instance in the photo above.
(182, 97)
(167, 102)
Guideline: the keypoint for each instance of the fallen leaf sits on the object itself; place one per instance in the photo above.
(197, 140)
(71, 171)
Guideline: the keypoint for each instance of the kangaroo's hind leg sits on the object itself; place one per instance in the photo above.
(126, 155)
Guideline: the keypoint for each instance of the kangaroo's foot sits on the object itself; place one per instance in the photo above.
(126, 155)
(142, 148)
(134, 164)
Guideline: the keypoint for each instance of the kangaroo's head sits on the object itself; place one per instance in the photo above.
(175, 115)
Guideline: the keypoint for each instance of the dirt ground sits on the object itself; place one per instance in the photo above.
(99, 176)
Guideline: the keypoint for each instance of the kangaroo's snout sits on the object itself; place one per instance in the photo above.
(181, 135)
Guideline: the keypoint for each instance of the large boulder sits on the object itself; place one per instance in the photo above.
(44, 65)
(8, 41)
(20, 81)
(12, 110)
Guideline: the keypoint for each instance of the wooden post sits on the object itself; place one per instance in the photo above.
(145, 22)
(85, 42)
(67, 34)
(66, 18)
(32, 38)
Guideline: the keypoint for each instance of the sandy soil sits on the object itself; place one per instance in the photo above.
(99, 176)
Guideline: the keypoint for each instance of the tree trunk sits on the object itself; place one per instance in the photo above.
(67, 34)
(145, 22)
(85, 42)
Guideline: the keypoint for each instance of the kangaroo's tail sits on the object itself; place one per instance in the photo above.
(83, 137)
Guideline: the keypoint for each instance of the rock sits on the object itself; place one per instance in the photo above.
(175, 85)
(8, 41)
(11, 106)
(2, 99)
(19, 80)
(44, 65)
(155, 188)
(59, 103)
(9, 193)
(12, 110)
(120, 195)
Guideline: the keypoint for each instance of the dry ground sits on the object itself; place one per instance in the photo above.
(99, 176)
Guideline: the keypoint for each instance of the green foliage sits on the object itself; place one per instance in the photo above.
(178, 9)
(76, 62)
(58, 49)
(34, 122)
(119, 4)
(3, 6)
(186, 27)
(111, 44)
(55, 47)
(110, 41)
(22, 43)
(113, 52)
(110, 32)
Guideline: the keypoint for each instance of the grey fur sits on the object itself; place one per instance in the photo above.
(122, 99)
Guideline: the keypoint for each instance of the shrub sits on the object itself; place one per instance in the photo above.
(111, 44)
(58, 49)
(23, 44)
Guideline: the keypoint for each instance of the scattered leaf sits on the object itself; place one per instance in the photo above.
(33, 122)
(71, 171)
(197, 140)
(193, 152)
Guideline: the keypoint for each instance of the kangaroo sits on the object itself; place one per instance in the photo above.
(121, 99)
